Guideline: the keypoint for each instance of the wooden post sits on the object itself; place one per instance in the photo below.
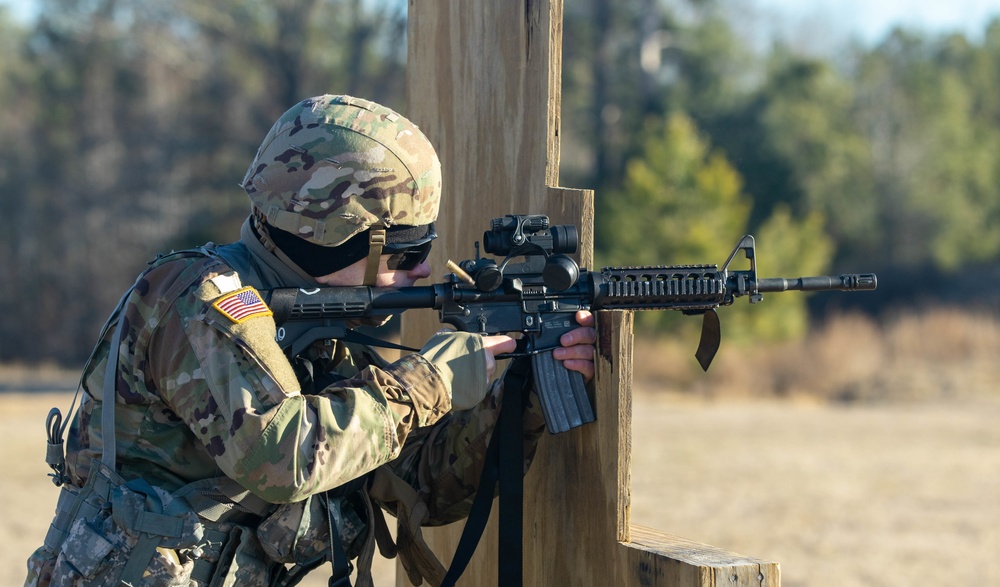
(484, 85)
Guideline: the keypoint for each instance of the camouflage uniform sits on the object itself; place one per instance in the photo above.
(203, 392)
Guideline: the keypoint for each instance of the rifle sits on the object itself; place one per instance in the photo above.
(536, 290)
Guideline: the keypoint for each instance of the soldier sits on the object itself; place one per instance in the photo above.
(223, 462)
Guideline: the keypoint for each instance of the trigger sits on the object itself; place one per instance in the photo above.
(711, 337)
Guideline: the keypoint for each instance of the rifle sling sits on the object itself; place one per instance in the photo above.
(505, 465)
(510, 552)
(361, 338)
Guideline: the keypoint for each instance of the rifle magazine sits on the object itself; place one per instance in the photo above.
(562, 393)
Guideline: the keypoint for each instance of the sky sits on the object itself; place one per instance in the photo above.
(870, 20)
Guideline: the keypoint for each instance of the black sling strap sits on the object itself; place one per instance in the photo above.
(342, 567)
(504, 463)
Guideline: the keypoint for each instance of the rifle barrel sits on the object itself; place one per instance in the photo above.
(845, 282)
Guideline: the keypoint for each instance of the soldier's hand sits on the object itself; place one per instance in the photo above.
(496, 345)
(578, 346)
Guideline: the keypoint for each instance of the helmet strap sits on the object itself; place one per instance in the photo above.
(376, 240)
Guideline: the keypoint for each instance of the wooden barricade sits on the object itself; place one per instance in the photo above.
(484, 85)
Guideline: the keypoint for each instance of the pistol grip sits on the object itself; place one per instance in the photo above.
(562, 393)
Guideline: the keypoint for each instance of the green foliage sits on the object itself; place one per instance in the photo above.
(934, 154)
(786, 247)
(806, 119)
(682, 203)
(677, 197)
(128, 124)
(715, 67)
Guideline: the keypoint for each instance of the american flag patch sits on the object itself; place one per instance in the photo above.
(241, 305)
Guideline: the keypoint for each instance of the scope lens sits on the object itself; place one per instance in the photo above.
(565, 238)
(495, 242)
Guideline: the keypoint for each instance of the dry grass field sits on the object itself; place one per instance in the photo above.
(840, 496)
(869, 455)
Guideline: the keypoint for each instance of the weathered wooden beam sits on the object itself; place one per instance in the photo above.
(483, 82)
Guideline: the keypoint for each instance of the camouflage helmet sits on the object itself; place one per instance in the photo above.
(333, 166)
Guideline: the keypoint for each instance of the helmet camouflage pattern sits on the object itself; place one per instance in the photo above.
(334, 166)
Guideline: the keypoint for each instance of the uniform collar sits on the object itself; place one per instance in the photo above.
(273, 266)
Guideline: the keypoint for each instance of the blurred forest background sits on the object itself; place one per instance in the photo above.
(126, 126)
(128, 123)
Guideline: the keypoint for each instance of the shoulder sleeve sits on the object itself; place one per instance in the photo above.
(216, 364)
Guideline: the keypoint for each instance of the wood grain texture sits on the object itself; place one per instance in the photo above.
(484, 85)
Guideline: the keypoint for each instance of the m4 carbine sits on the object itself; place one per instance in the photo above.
(536, 290)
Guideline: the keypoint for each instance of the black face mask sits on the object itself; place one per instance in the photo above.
(407, 245)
